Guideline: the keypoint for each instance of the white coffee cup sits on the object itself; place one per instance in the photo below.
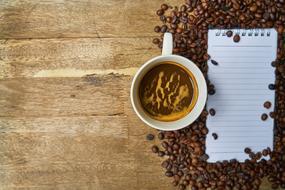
(168, 56)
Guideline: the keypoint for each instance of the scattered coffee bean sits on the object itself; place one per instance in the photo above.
(189, 24)
(229, 33)
(272, 114)
(165, 164)
(157, 29)
(264, 116)
(267, 104)
(271, 86)
(155, 41)
(247, 150)
(161, 153)
(163, 29)
(212, 92)
(265, 152)
(160, 136)
(160, 12)
(212, 112)
(169, 174)
(164, 7)
(149, 137)
(236, 38)
(214, 62)
(154, 149)
(215, 136)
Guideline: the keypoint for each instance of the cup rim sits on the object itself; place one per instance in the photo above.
(187, 119)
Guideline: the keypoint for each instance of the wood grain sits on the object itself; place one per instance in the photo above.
(57, 133)
(73, 19)
(35, 57)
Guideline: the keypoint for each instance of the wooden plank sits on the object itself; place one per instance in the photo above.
(73, 19)
(73, 57)
(56, 97)
(48, 141)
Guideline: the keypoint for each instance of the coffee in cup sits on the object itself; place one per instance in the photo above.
(168, 91)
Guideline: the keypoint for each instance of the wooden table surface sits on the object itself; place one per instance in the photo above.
(65, 116)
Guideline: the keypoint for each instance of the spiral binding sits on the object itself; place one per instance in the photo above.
(245, 32)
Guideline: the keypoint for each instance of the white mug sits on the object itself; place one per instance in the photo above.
(166, 57)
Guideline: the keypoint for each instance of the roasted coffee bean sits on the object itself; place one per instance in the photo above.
(264, 116)
(169, 173)
(214, 62)
(154, 149)
(160, 12)
(155, 41)
(157, 29)
(229, 33)
(215, 136)
(165, 164)
(267, 104)
(161, 153)
(175, 183)
(265, 152)
(164, 144)
(164, 7)
(160, 136)
(271, 86)
(236, 38)
(212, 92)
(163, 29)
(212, 112)
(182, 187)
(272, 114)
(149, 137)
(247, 150)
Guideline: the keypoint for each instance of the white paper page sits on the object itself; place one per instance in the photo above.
(241, 81)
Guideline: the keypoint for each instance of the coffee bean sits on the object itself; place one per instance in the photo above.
(215, 136)
(175, 183)
(214, 62)
(229, 33)
(272, 114)
(163, 29)
(164, 144)
(271, 86)
(169, 173)
(161, 153)
(154, 149)
(182, 187)
(160, 12)
(267, 104)
(253, 8)
(264, 116)
(160, 136)
(149, 137)
(247, 150)
(212, 92)
(155, 41)
(165, 164)
(164, 7)
(157, 29)
(212, 112)
(265, 152)
(236, 38)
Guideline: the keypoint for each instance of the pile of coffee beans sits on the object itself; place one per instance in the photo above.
(184, 150)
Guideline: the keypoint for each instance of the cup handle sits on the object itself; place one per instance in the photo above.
(167, 44)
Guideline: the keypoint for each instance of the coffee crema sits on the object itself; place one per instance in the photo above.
(168, 92)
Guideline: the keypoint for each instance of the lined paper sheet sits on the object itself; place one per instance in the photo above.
(241, 81)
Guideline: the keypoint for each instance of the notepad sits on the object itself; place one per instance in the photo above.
(241, 81)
